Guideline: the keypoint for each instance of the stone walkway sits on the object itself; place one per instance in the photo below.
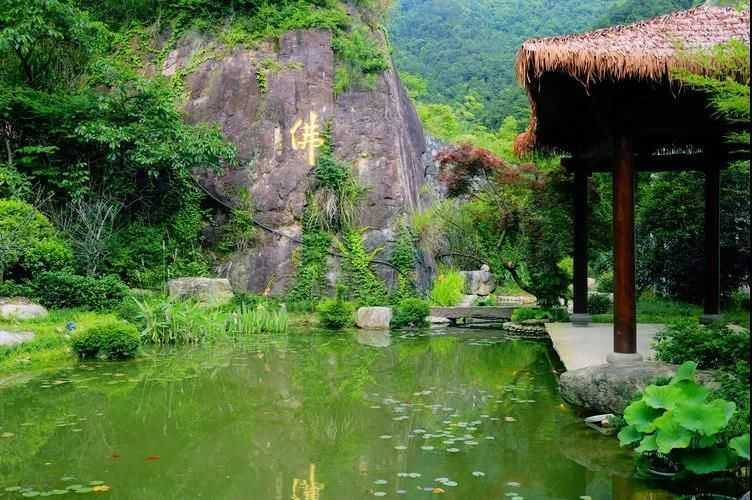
(581, 346)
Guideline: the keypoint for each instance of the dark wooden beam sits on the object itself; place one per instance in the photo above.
(625, 312)
(712, 302)
(579, 285)
(642, 163)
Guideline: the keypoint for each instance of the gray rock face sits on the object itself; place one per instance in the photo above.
(12, 310)
(214, 291)
(377, 131)
(609, 388)
(374, 318)
(480, 282)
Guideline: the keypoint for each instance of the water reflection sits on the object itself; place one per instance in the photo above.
(472, 414)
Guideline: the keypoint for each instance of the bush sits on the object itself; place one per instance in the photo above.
(524, 313)
(63, 290)
(411, 312)
(557, 315)
(598, 303)
(714, 346)
(448, 289)
(336, 313)
(488, 301)
(11, 289)
(605, 282)
(48, 255)
(114, 340)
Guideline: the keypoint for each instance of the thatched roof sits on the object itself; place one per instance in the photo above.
(644, 51)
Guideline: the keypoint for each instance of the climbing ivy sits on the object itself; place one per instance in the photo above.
(403, 258)
(363, 285)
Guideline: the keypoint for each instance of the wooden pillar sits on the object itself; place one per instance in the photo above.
(712, 302)
(625, 313)
(579, 285)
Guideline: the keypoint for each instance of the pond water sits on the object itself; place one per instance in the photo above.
(462, 413)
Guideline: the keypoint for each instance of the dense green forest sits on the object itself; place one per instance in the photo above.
(465, 51)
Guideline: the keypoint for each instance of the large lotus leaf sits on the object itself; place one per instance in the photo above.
(629, 435)
(740, 445)
(647, 444)
(641, 416)
(692, 391)
(663, 396)
(704, 441)
(685, 372)
(670, 434)
(705, 418)
(704, 461)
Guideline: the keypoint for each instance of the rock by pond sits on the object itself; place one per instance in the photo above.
(21, 309)
(480, 282)
(374, 318)
(215, 291)
(609, 388)
(13, 338)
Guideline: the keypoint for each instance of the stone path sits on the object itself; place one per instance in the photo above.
(12, 338)
(581, 346)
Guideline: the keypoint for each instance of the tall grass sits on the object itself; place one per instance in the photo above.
(448, 288)
(165, 320)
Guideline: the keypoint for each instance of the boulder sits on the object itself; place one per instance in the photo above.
(12, 338)
(480, 282)
(374, 318)
(467, 301)
(438, 320)
(13, 310)
(609, 388)
(214, 291)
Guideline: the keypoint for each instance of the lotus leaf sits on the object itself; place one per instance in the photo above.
(740, 445)
(705, 418)
(685, 372)
(628, 435)
(641, 416)
(663, 396)
(670, 434)
(647, 444)
(704, 461)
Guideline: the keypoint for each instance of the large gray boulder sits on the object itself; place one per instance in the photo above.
(374, 318)
(609, 388)
(480, 282)
(13, 338)
(22, 310)
(213, 291)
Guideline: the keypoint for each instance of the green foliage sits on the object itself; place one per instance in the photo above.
(557, 314)
(676, 422)
(60, 289)
(605, 282)
(28, 242)
(714, 346)
(239, 231)
(336, 313)
(310, 276)
(404, 259)
(115, 340)
(363, 287)
(336, 193)
(247, 320)
(598, 303)
(525, 313)
(448, 288)
(361, 59)
(629, 11)
(487, 301)
(411, 312)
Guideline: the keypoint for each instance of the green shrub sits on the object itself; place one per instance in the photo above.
(114, 340)
(525, 313)
(714, 346)
(488, 301)
(448, 289)
(556, 315)
(29, 242)
(605, 282)
(363, 286)
(11, 289)
(336, 313)
(598, 303)
(675, 422)
(64, 290)
(246, 320)
(411, 312)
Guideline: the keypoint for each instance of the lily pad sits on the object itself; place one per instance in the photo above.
(380, 481)
(478, 473)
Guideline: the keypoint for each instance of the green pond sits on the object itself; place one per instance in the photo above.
(461, 413)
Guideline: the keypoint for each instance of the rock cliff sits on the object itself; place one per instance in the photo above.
(256, 96)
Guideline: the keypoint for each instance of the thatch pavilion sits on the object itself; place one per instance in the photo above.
(608, 99)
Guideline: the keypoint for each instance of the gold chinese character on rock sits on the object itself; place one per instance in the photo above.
(306, 135)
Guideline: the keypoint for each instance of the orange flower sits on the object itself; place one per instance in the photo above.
(102, 487)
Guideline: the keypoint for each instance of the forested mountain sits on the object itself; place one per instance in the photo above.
(465, 50)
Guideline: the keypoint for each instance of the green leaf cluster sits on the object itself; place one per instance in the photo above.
(677, 421)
